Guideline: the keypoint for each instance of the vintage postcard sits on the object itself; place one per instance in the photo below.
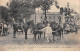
(39, 25)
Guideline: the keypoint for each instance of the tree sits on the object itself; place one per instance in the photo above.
(4, 13)
(20, 9)
(46, 5)
(25, 8)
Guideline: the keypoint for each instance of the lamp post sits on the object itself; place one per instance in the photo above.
(35, 15)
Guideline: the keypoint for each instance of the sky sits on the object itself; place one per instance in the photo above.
(74, 4)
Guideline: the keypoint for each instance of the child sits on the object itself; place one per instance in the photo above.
(48, 33)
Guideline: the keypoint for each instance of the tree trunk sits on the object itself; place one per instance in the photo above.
(45, 13)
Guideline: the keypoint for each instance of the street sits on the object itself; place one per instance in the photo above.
(8, 42)
(29, 25)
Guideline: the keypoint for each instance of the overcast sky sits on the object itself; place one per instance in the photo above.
(74, 4)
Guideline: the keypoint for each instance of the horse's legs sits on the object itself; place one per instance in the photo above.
(38, 36)
(60, 34)
(76, 31)
(53, 37)
(44, 34)
(35, 37)
(3, 32)
(6, 31)
(14, 35)
(26, 34)
(22, 31)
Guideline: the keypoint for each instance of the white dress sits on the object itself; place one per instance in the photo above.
(48, 31)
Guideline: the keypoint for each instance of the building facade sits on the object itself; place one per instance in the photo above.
(51, 17)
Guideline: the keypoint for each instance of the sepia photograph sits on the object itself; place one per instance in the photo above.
(39, 25)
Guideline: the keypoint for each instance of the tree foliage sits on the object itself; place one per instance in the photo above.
(46, 4)
(21, 9)
(4, 13)
(25, 8)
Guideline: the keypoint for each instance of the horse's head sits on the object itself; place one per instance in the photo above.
(40, 25)
(53, 24)
(31, 23)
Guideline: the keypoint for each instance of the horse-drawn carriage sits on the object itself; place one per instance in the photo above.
(20, 28)
(70, 28)
(36, 29)
(70, 24)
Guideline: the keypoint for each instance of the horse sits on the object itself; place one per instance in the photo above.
(25, 27)
(66, 28)
(30, 24)
(16, 27)
(37, 30)
(56, 29)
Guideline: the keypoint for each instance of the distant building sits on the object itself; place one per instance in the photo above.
(51, 17)
(37, 17)
(56, 16)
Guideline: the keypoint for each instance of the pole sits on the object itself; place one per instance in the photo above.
(35, 15)
(45, 13)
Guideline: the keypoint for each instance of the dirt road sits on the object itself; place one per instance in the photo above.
(70, 41)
